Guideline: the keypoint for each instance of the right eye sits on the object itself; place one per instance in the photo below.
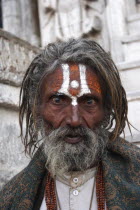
(59, 99)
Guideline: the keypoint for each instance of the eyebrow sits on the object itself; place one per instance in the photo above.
(59, 94)
(84, 95)
(92, 96)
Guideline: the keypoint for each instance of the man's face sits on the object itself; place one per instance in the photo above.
(72, 96)
(72, 111)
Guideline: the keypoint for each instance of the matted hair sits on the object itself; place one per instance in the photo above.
(81, 51)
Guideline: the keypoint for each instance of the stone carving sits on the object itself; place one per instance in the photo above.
(61, 20)
(15, 57)
(21, 19)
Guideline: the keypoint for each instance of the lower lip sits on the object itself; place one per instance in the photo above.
(73, 140)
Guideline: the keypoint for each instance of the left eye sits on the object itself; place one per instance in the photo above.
(90, 101)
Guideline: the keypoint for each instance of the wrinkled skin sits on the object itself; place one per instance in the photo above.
(57, 110)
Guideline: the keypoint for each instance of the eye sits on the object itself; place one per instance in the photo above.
(56, 99)
(59, 99)
(90, 101)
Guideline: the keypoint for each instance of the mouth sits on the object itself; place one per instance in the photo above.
(71, 139)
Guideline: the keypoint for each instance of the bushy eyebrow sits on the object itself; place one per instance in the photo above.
(58, 94)
(95, 97)
(84, 95)
(90, 96)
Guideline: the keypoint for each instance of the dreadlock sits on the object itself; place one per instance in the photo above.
(81, 51)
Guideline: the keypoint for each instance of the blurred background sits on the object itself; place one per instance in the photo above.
(26, 26)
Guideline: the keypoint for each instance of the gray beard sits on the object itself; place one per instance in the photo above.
(63, 157)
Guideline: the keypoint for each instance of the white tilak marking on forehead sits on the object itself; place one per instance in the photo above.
(74, 84)
(84, 87)
(66, 79)
(74, 100)
(66, 82)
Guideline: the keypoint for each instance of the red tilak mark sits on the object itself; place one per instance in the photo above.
(57, 80)
(74, 67)
(73, 92)
(74, 75)
(93, 81)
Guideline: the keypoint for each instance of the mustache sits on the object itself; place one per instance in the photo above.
(63, 132)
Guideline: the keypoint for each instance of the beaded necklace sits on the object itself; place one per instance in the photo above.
(50, 192)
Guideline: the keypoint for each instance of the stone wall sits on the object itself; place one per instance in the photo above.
(123, 22)
(21, 19)
(15, 57)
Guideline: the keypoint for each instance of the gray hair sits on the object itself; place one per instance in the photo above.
(82, 51)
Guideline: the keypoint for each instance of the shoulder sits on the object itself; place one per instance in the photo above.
(124, 148)
(9, 191)
(22, 189)
(121, 169)
(122, 158)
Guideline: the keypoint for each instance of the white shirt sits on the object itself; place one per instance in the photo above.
(76, 191)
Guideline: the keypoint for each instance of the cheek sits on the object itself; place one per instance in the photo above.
(52, 116)
(94, 118)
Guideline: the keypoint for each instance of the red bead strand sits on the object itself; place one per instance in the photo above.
(100, 189)
(50, 196)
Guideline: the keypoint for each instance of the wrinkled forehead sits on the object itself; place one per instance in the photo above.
(74, 80)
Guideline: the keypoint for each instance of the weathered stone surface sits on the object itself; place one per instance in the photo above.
(15, 57)
(130, 74)
(21, 19)
(12, 157)
(61, 20)
(126, 65)
(116, 23)
(11, 16)
(134, 115)
(134, 119)
(133, 23)
(130, 79)
(9, 96)
(133, 96)
(131, 48)
(135, 138)
(131, 7)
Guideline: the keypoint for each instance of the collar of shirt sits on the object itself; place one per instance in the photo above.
(77, 178)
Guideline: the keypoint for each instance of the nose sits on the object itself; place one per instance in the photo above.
(74, 118)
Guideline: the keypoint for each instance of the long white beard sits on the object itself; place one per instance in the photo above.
(63, 157)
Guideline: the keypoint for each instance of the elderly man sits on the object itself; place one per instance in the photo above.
(75, 109)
